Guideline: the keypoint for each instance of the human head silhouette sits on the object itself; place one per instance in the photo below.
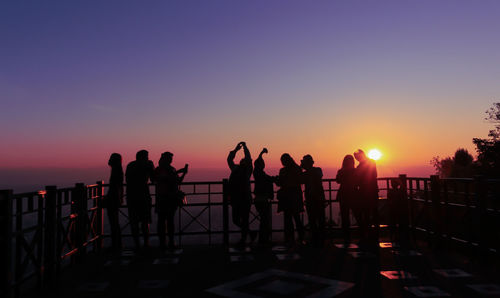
(348, 162)
(360, 155)
(166, 159)
(287, 160)
(142, 155)
(259, 164)
(115, 160)
(307, 162)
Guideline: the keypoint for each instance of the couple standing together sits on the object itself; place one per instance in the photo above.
(358, 192)
(289, 196)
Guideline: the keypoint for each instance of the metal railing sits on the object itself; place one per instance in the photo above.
(463, 211)
(41, 232)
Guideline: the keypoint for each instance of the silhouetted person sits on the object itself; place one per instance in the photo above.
(114, 199)
(398, 210)
(264, 193)
(290, 198)
(366, 180)
(347, 194)
(138, 197)
(240, 194)
(312, 177)
(168, 196)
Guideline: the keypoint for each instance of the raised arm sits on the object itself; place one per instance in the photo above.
(182, 171)
(246, 151)
(264, 150)
(231, 155)
(248, 158)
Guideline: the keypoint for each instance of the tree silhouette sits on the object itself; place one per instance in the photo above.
(489, 149)
(460, 166)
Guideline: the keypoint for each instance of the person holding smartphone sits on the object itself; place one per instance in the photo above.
(168, 200)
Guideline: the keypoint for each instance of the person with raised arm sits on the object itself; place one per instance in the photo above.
(264, 194)
(240, 195)
(168, 197)
(138, 173)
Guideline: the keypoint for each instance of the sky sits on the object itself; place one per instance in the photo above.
(82, 79)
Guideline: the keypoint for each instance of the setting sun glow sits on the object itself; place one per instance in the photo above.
(375, 154)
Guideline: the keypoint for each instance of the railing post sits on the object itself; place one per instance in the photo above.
(407, 213)
(100, 215)
(436, 206)
(79, 208)
(6, 257)
(408, 198)
(225, 211)
(50, 229)
(481, 192)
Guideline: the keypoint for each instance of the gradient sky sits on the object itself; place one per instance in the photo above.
(82, 79)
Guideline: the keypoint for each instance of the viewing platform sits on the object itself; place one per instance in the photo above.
(54, 244)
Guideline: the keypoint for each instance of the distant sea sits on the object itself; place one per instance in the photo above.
(26, 180)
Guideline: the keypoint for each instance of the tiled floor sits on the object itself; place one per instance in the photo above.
(486, 289)
(452, 273)
(410, 253)
(93, 286)
(348, 246)
(334, 271)
(394, 274)
(152, 284)
(427, 291)
(283, 283)
(166, 261)
(287, 256)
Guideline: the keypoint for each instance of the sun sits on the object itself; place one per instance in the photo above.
(375, 154)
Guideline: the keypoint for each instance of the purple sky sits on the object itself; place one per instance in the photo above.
(82, 79)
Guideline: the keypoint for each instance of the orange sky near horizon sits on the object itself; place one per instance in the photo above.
(404, 141)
